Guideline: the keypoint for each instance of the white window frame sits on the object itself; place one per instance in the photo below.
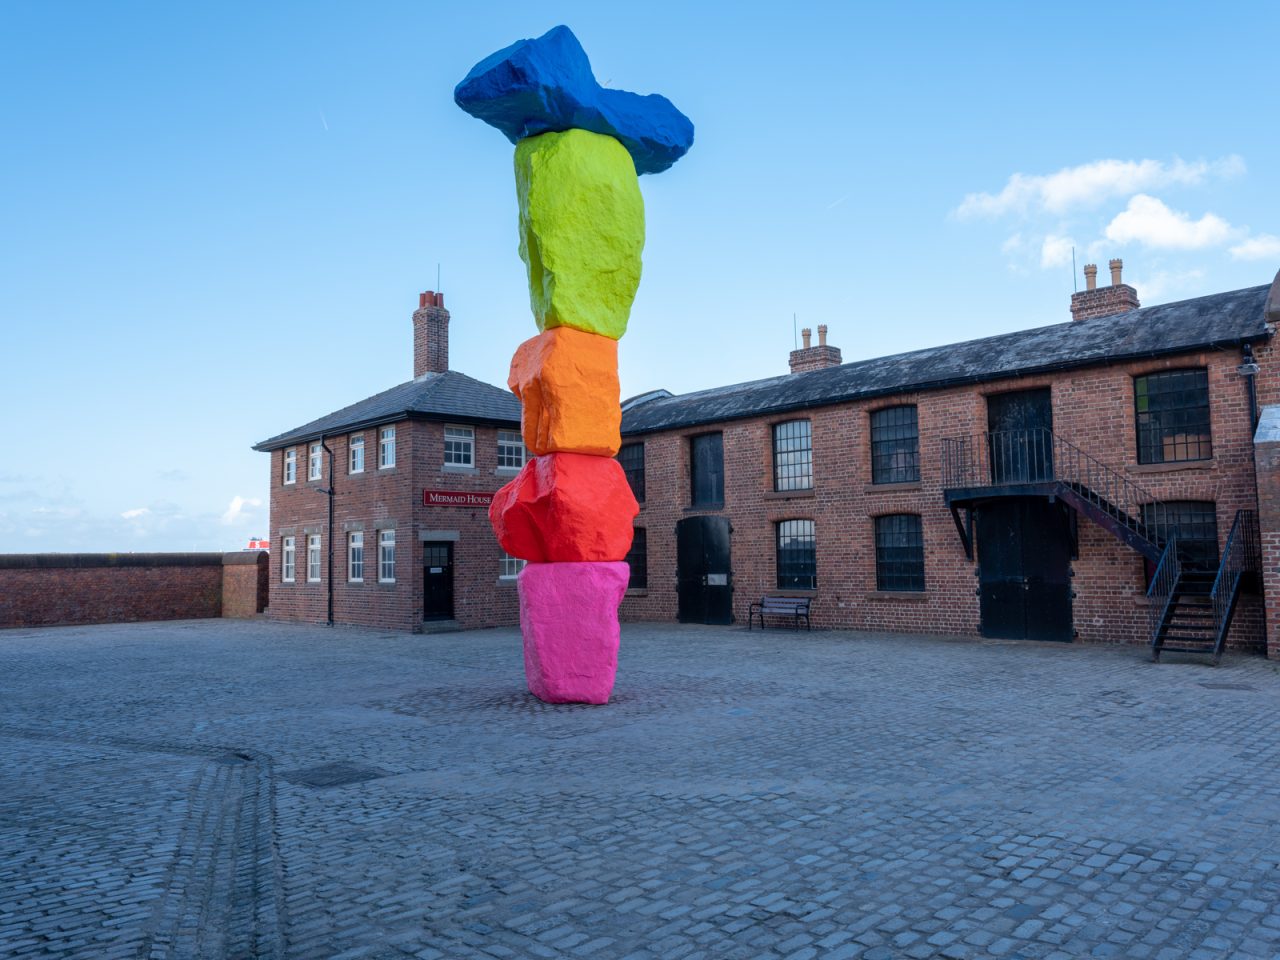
(386, 556)
(313, 553)
(509, 567)
(355, 556)
(356, 445)
(290, 465)
(386, 448)
(288, 560)
(510, 441)
(459, 441)
(315, 462)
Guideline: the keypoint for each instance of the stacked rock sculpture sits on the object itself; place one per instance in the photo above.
(580, 148)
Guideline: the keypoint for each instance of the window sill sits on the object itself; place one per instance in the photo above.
(808, 494)
(499, 472)
(1174, 467)
(506, 582)
(910, 596)
(892, 487)
(637, 591)
(457, 468)
(390, 469)
(792, 592)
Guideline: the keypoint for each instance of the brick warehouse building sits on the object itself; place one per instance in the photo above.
(412, 470)
(970, 488)
(1063, 456)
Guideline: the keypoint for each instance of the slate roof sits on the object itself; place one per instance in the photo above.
(1220, 319)
(433, 396)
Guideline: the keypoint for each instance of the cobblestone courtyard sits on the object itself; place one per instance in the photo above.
(221, 789)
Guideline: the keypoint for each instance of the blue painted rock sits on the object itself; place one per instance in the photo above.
(546, 86)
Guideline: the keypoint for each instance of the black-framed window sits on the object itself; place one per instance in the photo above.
(1172, 414)
(706, 469)
(797, 555)
(895, 445)
(1193, 522)
(638, 559)
(792, 455)
(631, 456)
(899, 552)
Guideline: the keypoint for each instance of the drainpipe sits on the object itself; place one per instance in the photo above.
(1249, 369)
(329, 493)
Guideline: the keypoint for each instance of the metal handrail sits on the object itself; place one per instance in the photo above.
(1241, 555)
(1038, 455)
(1162, 589)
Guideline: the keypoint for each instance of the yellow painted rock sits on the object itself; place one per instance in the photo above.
(581, 230)
(567, 382)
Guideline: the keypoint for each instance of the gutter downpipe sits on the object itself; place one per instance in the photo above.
(329, 493)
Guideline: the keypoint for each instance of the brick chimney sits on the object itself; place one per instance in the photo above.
(814, 358)
(430, 335)
(1092, 302)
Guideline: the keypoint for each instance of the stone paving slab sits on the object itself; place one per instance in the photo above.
(215, 789)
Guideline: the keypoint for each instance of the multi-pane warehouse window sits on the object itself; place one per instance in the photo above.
(289, 560)
(387, 556)
(631, 457)
(511, 451)
(706, 470)
(638, 559)
(792, 455)
(1193, 522)
(357, 454)
(1172, 413)
(895, 445)
(797, 555)
(355, 557)
(899, 552)
(386, 447)
(313, 558)
(459, 447)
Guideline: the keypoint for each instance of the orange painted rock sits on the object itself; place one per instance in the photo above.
(566, 508)
(567, 382)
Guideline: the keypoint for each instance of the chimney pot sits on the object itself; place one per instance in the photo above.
(1115, 271)
(822, 334)
(806, 335)
(423, 298)
(1091, 276)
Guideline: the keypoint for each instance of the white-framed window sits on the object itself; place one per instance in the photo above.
(291, 465)
(511, 567)
(315, 462)
(511, 450)
(459, 447)
(386, 447)
(313, 558)
(357, 453)
(387, 556)
(289, 559)
(355, 556)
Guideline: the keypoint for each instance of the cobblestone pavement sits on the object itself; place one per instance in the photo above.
(212, 789)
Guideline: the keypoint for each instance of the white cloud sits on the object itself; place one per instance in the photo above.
(135, 513)
(1055, 251)
(1091, 183)
(1264, 246)
(239, 509)
(1012, 245)
(1148, 221)
(1164, 285)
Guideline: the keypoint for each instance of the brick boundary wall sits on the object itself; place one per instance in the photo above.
(48, 589)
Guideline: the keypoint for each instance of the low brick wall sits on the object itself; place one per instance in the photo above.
(68, 588)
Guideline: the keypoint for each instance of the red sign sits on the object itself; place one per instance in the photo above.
(455, 498)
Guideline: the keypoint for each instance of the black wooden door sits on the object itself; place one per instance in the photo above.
(1020, 439)
(437, 575)
(704, 580)
(1024, 571)
(706, 470)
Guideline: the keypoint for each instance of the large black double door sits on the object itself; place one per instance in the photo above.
(1024, 569)
(704, 579)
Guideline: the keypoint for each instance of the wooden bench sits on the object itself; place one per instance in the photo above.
(794, 607)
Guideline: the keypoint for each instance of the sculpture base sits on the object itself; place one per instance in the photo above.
(569, 622)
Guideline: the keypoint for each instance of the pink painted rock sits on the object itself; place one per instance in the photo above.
(569, 620)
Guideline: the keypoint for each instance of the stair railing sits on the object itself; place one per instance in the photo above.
(1241, 556)
(1039, 455)
(1162, 590)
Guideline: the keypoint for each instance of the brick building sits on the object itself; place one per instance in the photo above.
(379, 510)
(1023, 485)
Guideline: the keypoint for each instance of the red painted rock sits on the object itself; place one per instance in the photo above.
(569, 622)
(566, 508)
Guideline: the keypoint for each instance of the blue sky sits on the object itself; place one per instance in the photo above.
(216, 219)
